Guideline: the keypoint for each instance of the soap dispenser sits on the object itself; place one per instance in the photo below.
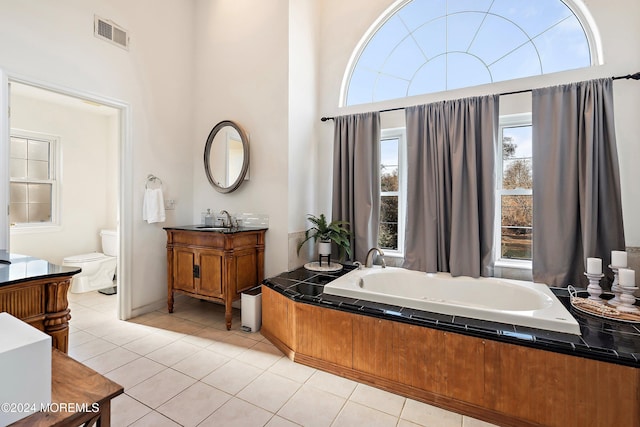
(208, 218)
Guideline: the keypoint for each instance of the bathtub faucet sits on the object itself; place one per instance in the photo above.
(369, 260)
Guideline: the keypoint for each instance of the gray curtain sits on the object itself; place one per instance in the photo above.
(451, 149)
(577, 210)
(356, 178)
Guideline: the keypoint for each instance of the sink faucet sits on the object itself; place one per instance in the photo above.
(369, 260)
(230, 222)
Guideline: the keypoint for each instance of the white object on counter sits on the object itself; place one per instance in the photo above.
(25, 358)
(619, 259)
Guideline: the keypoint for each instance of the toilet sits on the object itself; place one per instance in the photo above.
(98, 268)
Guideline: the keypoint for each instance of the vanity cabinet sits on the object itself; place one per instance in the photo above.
(214, 265)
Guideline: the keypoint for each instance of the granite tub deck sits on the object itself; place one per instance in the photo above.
(504, 374)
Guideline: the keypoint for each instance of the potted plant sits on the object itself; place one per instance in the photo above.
(325, 233)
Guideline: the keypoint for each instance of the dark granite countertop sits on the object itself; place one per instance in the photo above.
(23, 268)
(600, 339)
(212, 229)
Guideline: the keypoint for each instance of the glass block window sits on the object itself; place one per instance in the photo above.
(430, 46)
(515, 190)
(33, 181)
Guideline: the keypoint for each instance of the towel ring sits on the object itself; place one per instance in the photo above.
(152, 179)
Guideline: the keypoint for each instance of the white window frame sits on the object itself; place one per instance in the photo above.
(54, 179)
(400, 135)
(513, 120)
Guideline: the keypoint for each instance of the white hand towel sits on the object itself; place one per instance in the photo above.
(153, 206)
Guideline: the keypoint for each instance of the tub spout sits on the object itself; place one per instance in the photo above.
(369, 260)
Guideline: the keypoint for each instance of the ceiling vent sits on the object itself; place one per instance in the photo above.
(111, 32)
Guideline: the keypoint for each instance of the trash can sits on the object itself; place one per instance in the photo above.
(251, 309)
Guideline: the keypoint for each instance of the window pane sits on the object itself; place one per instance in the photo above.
(517, 211)
(18, 168)
(389, 165)
(18, 192)
(38, 150)
(516, 243)
(18, 148)
(388, 230)
(37, 169)
(40, 193)
(18, 213)
(39, 212)
(517, 174)
(517, 156)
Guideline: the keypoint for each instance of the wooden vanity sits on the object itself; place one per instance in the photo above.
(35, 291)
(214, 265)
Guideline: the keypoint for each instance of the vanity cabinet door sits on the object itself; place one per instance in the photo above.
(211, 277)
(184, 266)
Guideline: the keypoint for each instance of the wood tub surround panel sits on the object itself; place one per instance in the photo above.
(213, 266)
(501, 383)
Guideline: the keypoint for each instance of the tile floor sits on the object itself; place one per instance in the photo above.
(186, 369)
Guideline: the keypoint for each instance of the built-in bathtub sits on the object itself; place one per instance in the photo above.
(514, 302)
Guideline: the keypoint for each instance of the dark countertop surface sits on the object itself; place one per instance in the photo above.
(23, 268)
(211, 229)
(601, 339)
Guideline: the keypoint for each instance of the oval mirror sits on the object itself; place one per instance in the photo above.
(226, 156)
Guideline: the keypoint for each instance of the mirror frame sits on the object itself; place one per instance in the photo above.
(245, 161)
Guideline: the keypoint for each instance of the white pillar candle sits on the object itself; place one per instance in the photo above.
(618, 259)
(627, 277)
(594, 266)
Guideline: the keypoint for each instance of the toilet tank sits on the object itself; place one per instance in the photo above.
(109, 242)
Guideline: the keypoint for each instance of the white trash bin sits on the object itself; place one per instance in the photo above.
(251, 309)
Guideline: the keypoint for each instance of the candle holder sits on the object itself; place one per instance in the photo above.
(594, 288)
(628, 300)
(615, 288)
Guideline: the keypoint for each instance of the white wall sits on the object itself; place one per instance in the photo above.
(241, 74)
(85, 178)
(53, 43)
(343, 24)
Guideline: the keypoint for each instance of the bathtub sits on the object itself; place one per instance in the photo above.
(513, 302)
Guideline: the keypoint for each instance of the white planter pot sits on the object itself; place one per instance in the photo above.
(324, 248)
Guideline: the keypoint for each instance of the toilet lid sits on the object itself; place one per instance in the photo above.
(93, 256)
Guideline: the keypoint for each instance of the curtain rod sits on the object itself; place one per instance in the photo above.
(635, 76)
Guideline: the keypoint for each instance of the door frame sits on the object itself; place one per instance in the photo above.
(125, 174)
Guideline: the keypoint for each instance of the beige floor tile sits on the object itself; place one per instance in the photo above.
(356, 414)
(238, 413)
(154, 419)
(90, 349)
(201, 363)
(405, 423)
(277, 421)
(232, 346)
(421, 413)
(312, 407)
(126, 410)
(135, 372)
(294, 371)
(332, 383)
(111, 360)
(173, 353)
(472, 422)
(125, 335)
(194, 404)
(269, 391)
(381, 400)
(161, 387)
(79, 337)
(232, 376)
(261, 355)
(148, 344)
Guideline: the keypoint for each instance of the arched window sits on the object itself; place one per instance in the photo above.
(427, 46)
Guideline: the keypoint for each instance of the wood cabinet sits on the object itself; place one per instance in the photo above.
(214, 266)
(501, 383)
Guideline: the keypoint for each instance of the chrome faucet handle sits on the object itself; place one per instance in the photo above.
(229, 222)
(358, 264)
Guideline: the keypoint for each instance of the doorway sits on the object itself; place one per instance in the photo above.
(88, 142)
